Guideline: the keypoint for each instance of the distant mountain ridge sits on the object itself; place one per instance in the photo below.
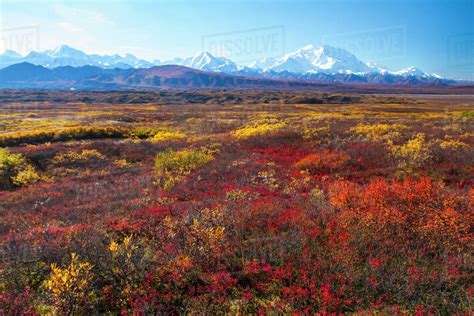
(309, 59)
(67, 56)
(26, 75)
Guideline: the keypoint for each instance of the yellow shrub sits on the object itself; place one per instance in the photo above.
(171, 165)
(414, 153)
(40, 136)
(126, 248)
(15, 171)
(259, 128)
(316, 133)
(70, 287)
(26, 176)
(144, 132)
(84, 155)
(163, 136)
(456, 145)
(207, 232)
(122, 163)
(378, 132)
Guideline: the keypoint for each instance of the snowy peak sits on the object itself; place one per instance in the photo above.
(199, 61)
(314, 59)
(378, 68)
(207, 62)
(410, 71)
(65, 55)
(10, 54)
(263, 64)
(9, 57)
(326, 59)
(66, 51)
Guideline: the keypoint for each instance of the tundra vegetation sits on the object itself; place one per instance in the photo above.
(235, 202)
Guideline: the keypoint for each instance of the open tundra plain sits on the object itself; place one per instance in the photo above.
(153, 202)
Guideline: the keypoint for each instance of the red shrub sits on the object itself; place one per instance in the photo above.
(324, 161)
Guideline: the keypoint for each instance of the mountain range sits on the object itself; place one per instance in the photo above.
(68, 56)
(66, 67)
(310, 59)
(26, 75)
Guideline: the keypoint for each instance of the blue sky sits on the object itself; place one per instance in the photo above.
(436, 36)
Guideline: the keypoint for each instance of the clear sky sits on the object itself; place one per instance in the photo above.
(436, 36)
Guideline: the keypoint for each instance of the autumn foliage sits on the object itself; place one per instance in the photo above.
(324, 161)
(206, 209)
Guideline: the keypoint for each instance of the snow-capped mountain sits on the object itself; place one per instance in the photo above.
(205, 61)
(410, 71)
(68, 56)
(9, 57)
(316, 59)
(65, 51)
(377, 68)
(60, 56)
(10, 54)
(263, 64)
(311, 62)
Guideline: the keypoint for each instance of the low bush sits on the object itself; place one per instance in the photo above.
(378, 132)
(66, 134)
(324, 161)
(15, 171)
(70, 287)
(317, 134)
(171, 165)
(415, 153)
(143, 132)
(163, 136)
(455, 145)
(259, 128)
(74, 157)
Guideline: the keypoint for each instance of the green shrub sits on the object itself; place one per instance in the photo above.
(144, 132)
(468, 114)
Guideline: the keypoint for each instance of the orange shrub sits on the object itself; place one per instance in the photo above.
(326, 160)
